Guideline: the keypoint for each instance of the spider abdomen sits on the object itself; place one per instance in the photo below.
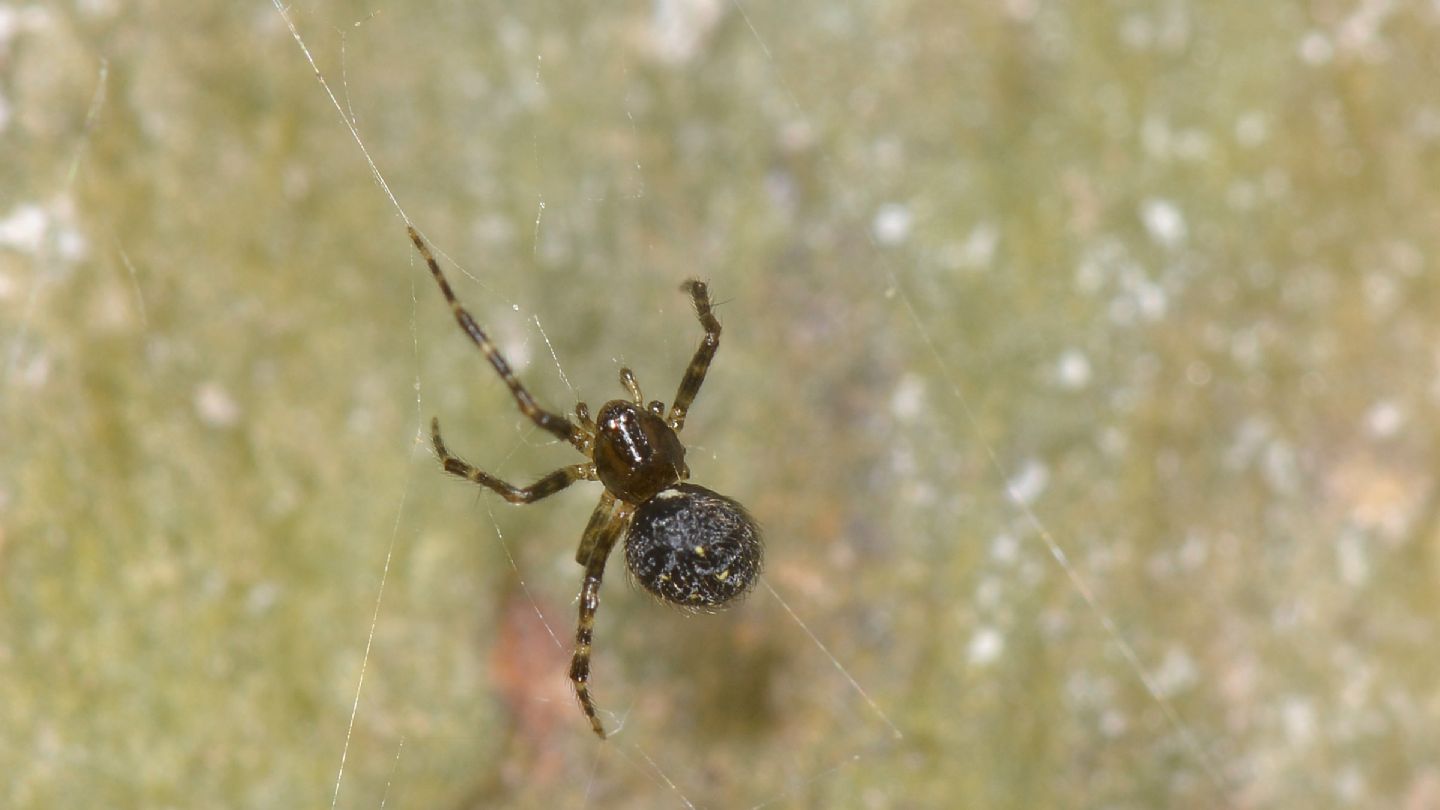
(694, 548)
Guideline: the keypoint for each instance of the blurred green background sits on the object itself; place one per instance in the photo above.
(1161, 272)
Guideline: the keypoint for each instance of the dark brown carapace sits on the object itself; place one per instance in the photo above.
(636, 453)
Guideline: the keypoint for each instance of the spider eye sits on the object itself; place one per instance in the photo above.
(694, 548)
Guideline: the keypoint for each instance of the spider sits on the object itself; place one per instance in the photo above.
(685, 544)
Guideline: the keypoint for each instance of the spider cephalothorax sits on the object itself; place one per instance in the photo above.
(685, 544)
(636, 454)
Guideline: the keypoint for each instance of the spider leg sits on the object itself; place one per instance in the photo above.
(549, 485)
(606, 525)
(700, 363)
(587, 428)
(582, 413)
(598, 519)
(552, 422)
(627, 379)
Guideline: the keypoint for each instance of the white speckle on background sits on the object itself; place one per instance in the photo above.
(1113, 441)
(261, 597)
(1194, 552)
(71, 244)
(679, 29)
(797, 136)
(985, 646)
(1026, 485)
(517, 348)
(24, 228)
(1316, 49)
(1350, 785)
(1279, 467)
(1251, 129)
(1163, 221)
(978, 249)
(35, 372)
(1299, 719)
(1151, 302)
(1073, 369)
(1004, 548)
(892, 224)
(1021, 10)
(215, 405)
(989, 592)
(1176, 671)
(1382, 292)
(1137, 32)
(1384, 419)
(909, 397)
(1351, 559)
(1193, 144)
(1155, 137)
(1113, 723)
